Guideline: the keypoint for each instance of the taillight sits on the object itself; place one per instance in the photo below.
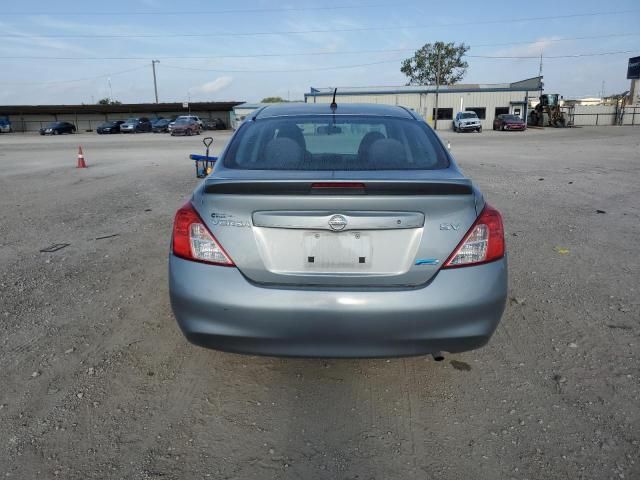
(192, 240)
(337, 185)
(338, 188)
(484, 242)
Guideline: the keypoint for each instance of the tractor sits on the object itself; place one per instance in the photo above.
(547, 112)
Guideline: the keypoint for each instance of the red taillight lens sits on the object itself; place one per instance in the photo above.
(484, 242)
(192, 240)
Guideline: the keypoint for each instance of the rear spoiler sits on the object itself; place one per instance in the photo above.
(242, 187)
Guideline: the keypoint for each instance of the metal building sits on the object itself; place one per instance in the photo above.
(487, 100)
(242, 111)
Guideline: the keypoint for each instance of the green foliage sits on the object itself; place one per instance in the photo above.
(422, 68)
(108, 101)
(273, 100)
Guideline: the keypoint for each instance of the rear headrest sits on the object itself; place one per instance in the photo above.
(283, 153)
(387, 153)
(289, 130)
(366, 142)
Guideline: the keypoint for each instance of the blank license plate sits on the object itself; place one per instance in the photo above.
(347, 249)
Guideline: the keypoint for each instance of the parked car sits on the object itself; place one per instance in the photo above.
(365, 241)
(136, 125)
(5, 125)
(214, 124)
(192, 117)
(110, 127)
(161, 125)
(509, 122)
(466, 121)
(185, 126)
(58, 128)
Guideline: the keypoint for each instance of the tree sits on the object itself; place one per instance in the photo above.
(108, 101)
(436, 63)
(273, 100)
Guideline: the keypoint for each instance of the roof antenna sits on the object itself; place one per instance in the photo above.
(334, 105)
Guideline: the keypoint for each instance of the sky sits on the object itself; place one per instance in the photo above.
(69, 52)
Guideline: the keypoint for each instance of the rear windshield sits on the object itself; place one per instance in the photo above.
(327, 142)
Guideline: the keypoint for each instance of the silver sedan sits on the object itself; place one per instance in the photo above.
(343, 231)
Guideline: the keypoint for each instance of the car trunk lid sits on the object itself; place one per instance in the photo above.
(330, 232)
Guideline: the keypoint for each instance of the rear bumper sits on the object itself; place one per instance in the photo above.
(217, 307)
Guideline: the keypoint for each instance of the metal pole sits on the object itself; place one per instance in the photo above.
(435, 119)
(155, 82)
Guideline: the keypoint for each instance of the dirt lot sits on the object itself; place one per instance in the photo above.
(96, 381)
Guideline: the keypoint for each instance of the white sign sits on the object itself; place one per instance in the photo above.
(185, 104)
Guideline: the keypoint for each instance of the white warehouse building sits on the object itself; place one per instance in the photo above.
(487, 100)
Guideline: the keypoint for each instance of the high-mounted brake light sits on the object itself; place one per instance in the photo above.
(192, 240)
(483, 243)
(333, 185)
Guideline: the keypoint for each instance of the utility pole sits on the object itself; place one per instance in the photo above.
(110, 89)
(540, 68)
(435, 118)
(540, 72)
(155, 83)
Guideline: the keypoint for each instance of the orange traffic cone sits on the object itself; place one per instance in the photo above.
(81, 163)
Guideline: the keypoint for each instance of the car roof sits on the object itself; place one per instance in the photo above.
(295, 109)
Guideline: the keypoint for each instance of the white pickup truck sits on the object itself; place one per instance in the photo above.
(466, 121)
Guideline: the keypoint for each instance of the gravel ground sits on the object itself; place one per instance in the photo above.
(96, 381)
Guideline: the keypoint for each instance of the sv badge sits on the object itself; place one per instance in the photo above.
(449, 226)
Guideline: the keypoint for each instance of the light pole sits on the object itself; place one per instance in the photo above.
(155, 83)
(110, 89)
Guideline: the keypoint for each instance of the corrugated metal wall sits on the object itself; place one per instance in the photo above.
(424, 103)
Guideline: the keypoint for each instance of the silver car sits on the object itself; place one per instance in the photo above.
(337, 232)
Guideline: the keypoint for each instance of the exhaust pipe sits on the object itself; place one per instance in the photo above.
(437, 356)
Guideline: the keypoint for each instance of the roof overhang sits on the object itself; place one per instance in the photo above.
(123, 108)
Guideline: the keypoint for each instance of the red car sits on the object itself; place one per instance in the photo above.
(185, 126)
(509, 122)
